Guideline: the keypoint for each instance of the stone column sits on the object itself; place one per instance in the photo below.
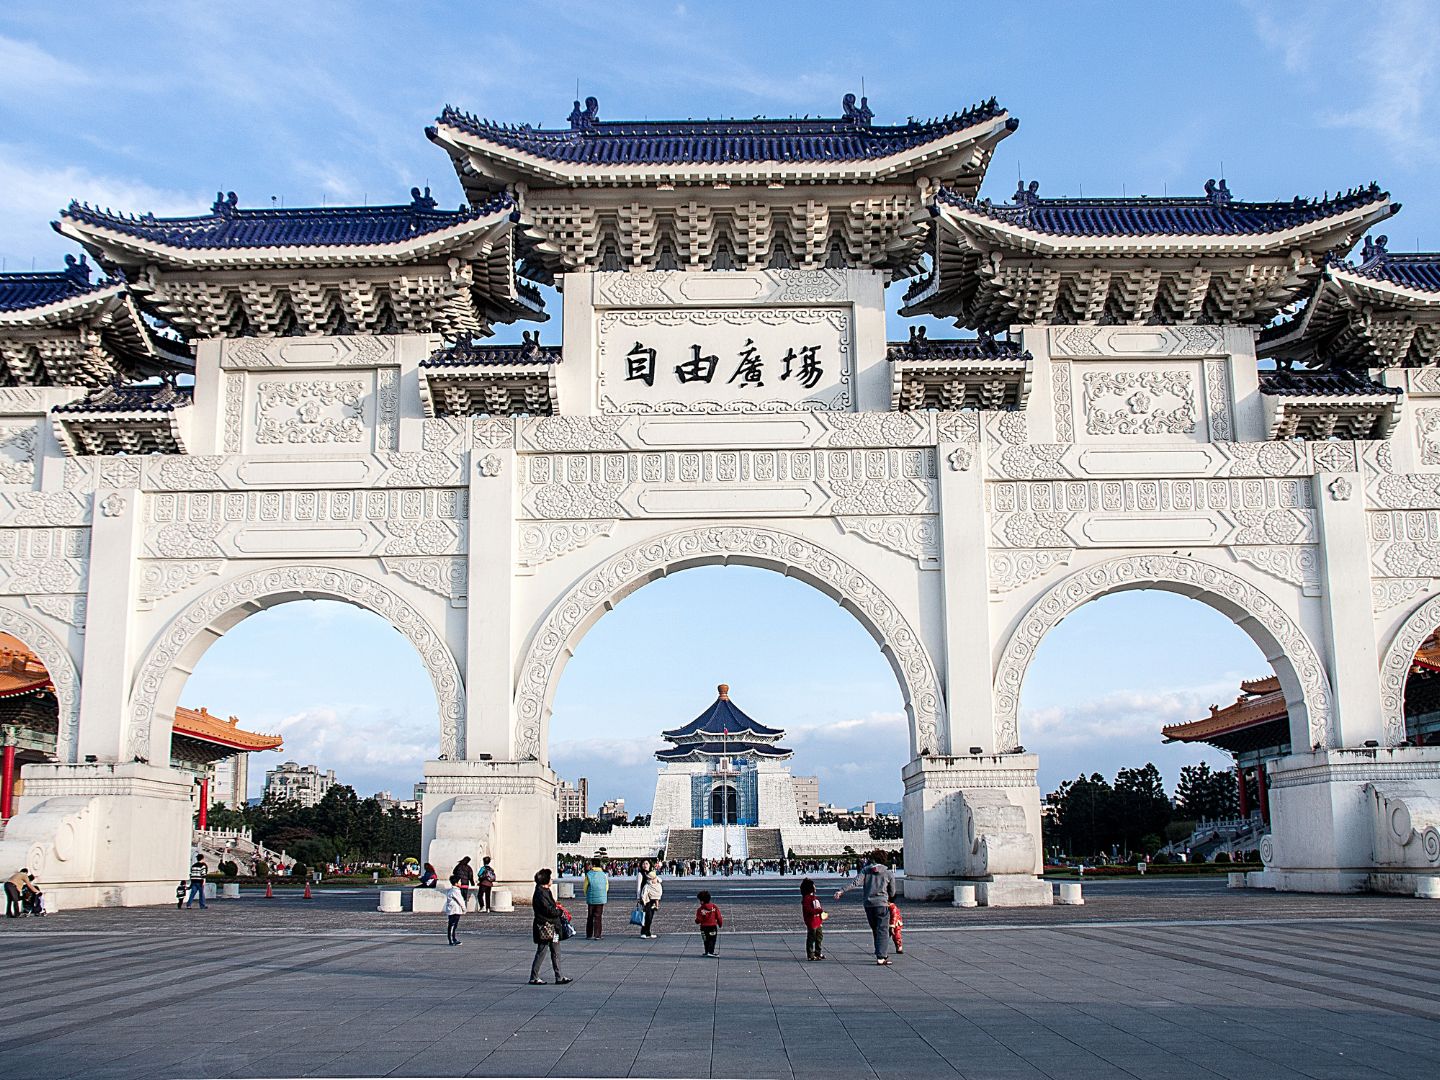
(115, 540)
(489, 719)
(966, 593)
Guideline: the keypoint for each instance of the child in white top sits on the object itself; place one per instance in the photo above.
(454, 908)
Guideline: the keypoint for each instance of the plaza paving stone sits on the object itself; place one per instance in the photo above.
(1175, 978)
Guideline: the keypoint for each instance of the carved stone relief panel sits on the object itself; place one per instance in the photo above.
(43, 560)
(1154, 402)
(1404, 543)
(728, 483)
(1121, 341)
(915, 537)
(1427, 431)
(660, 431)
(309, 411)
(259, 353)
(1297, 565)
(200, 525)
(1062, 400)
(18, 444)
(1217, 400)
(541, 542)
(445, 577)
(23, 401)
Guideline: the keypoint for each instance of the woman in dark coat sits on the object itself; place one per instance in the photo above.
(545, 930)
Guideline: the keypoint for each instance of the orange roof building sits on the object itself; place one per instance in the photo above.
(202, 744)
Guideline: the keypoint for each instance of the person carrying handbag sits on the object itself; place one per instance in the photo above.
(546, 929)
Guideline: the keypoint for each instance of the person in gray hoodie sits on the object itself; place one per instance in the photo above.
(877, 885)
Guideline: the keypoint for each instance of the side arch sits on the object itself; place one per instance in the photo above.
(167, 663)
(64, 675)
(1395, 666)
(1302, 676)
(770, 549)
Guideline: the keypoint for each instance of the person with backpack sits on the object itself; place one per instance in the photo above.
(483, 884)
(597, 894)
(877, 885)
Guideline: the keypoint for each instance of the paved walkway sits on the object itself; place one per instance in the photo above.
(1150, 979)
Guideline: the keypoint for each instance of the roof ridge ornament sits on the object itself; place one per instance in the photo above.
(587, 119)
(1218, 192)
(423, 201)
(77, 270)
(1375, 252)
(861, 114)
(1027, 196)
(226, 204)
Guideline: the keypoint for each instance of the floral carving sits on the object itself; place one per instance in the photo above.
(113, 505)
(1427, 430)
(67, 608)
(1139, 403)
(310, 411)
(917, 538)
(17, 454)
(1395, 667)
(575, 433)
(1387, 593)
(64, 675)
(567, 620)
(161, 579)
(1012, 569)
(1300, 566)
(260, 588)
(448, 578)
(539, 543)
(1217, 400)
(952, 426)
(494, 432)
(1295, 659)
(489, 465)
(1062, 401)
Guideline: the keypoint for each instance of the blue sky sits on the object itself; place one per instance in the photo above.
(155, 106)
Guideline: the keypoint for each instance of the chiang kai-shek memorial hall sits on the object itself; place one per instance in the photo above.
(202, 417)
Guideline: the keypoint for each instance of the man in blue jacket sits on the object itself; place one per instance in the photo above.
(597, 893)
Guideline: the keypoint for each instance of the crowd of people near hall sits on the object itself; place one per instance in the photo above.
(574, 866)
(552, 923)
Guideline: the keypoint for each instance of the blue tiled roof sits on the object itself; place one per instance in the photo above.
(162, 397)
(1213, 214)
(590, 141)
(1341, 382)
(32, 290)
(731, 747)
(720, 718)
(921, 348)
(1419, 270)
(228, 226)
(467, 354)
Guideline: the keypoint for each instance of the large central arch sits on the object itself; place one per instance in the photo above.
(770, 549)
(167, 664)
(1302, 676)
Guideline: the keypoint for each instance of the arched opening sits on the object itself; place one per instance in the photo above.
(304, 722)
(29, 717)
(807, 730)
(1153, 715)
(1410, 680)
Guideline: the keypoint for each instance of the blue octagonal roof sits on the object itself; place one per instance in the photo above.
(723, 718)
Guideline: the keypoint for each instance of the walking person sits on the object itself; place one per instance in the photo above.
(483, 884)
(198, 872)
(814, 916)
(597, 894)
(877, 885)
(466, 873)
(454, 908)
(897, 928)
(546, 929)
(709, 919)
(648, 891)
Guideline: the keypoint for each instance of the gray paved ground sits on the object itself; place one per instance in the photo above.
(1149, 979)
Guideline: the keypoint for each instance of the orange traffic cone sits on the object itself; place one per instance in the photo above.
(269, 892)
(307, 891)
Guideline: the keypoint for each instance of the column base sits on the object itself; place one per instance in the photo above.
(102, 835)
(503, 809)
(974, 819)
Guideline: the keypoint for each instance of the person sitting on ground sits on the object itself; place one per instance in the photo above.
(878, 889)
(13, 894)
(814, 916)
(545, 930)
(454, 908)
(709, 919)
(648, 892)
(428, 878)
(483, 884)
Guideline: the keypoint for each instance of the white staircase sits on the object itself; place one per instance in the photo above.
(712, 841)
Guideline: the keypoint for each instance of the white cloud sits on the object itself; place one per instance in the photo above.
(27, 68)
(369, 749)
(33, 191)
(1121, 716)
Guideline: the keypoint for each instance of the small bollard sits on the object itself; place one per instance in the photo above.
(1141, 867)
(1427, 888)
(1235, 879)
(564, 890)
(501, 900)
(230, 891)
(964, 896)
(390, 900)
(1070, 893)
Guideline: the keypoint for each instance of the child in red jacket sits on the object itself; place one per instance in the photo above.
(897, 928)
(709, 919)
(814, 917)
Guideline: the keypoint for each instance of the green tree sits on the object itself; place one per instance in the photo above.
(1203, 793)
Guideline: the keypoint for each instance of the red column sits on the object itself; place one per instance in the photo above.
(1264, 793)
(1244, 790)
(204, 800)
(7, 781)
